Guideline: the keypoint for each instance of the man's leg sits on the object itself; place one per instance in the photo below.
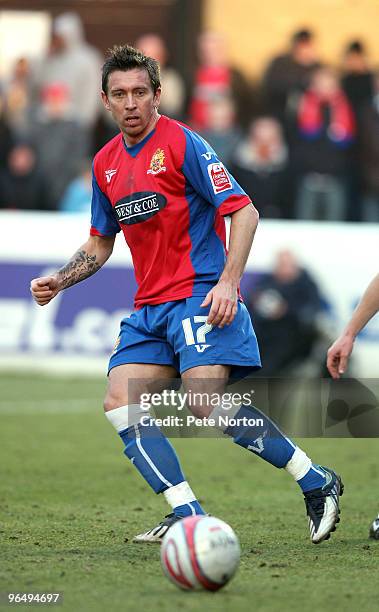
(145, 445)
(374, 529)
(258, 434)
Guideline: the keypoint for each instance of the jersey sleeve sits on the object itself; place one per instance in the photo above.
(208, 176)
(103, 222)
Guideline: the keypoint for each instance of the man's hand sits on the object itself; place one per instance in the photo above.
(338, 355)
(223, 300)
(44, 289)
(87, 260)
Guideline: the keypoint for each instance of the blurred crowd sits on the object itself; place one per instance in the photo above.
(303, 141)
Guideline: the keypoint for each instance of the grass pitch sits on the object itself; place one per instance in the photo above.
(70, 503)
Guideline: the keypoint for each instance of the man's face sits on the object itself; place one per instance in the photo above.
(131, 100)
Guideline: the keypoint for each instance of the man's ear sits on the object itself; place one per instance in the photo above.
(157, 97)
(105, 100)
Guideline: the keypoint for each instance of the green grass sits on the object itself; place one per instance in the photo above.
(70, 503)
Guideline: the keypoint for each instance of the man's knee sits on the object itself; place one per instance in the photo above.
(199, 410)
(113, 401)
(200, 402)
(122, 393)
(203, 395)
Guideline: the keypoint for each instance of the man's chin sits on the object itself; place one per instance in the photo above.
(133, 125)
(134, 134)
(133, 130)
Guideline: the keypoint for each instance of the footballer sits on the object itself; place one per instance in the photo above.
(164, 187)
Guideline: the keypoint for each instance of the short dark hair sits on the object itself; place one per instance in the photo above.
(126, 57)
(355, 46)
(302, 36)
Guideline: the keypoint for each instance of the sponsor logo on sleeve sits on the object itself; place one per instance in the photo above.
(219, 177)
(139, 207)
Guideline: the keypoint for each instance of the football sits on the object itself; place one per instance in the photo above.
(200, 553)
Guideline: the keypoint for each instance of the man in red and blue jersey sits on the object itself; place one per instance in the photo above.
(165, 188)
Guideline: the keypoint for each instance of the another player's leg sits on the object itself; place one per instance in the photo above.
(254, 431)
(374, 529)
(145, 445)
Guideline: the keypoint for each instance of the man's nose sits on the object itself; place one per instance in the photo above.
(130, 102)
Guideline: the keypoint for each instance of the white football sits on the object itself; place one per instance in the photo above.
(200, 552)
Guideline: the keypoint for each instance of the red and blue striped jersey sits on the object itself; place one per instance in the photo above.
(168, 194)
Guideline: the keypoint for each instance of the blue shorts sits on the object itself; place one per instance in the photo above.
(176, 334)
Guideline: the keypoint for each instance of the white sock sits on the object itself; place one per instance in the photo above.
(125, 416)
(299, 464)
(179, 494)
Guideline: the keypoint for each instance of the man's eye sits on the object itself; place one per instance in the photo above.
(118, 94)
(140, 93)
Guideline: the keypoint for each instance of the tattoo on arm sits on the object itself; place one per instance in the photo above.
(81, 266)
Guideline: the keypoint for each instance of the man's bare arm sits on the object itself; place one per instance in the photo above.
(87, 260)
(367, 307)
(223, 296)
(243, 226)
(340, 351)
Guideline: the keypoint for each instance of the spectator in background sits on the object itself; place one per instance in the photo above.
(358, 85)
(222, 133)
(325, 133)
(260, 166)
(74, 64)
(78, 195)
(60, 142)
(104, 129)
(17, 93)
(6, 138)
(369, 156)
(173, 88)
(22, 185)
(285, 304)
(216, 78)
(358, 78)
(288, 75)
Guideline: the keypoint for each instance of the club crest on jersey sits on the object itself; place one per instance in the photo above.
(109, 174)
(157, 162)
(219, 177)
